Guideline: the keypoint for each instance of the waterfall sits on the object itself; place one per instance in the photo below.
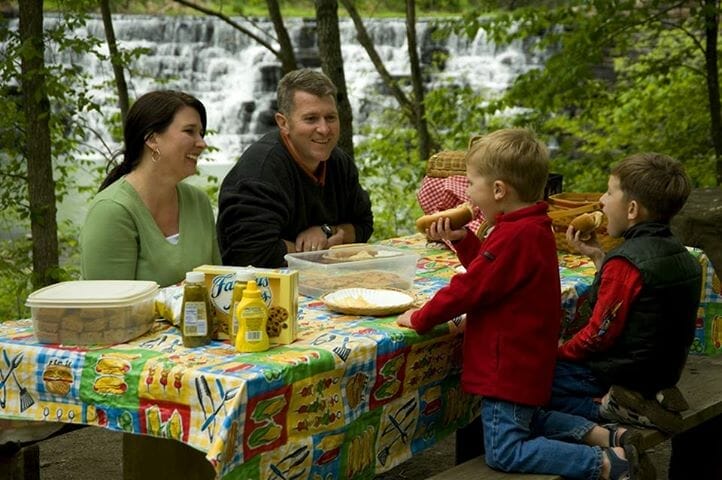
(236, 78)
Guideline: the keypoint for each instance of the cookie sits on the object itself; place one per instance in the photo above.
(277, 317)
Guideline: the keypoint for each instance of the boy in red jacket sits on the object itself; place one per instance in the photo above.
(511, 296)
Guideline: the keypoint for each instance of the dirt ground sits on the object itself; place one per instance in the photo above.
(95, 453)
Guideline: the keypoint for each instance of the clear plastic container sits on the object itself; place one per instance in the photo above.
(87, 312)
(356, 265)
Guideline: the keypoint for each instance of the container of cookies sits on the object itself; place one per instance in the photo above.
(89, 312)
(353, 266)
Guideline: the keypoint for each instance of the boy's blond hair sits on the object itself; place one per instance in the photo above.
(515, 156)
(657, 181)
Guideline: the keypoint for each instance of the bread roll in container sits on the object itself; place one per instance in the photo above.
(88, 312)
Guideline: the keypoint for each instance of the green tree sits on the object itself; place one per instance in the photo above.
(610, 74)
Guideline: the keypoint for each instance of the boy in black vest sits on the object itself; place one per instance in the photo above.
(624, 364)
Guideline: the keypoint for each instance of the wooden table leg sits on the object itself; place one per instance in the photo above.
(469, 441)
(19, 463)
(153, 458)
(697, 453)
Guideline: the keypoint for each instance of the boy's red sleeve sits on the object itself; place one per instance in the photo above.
(620, 285)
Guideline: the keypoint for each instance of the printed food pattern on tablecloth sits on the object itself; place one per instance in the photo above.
(359, 456)
(390, 373)
(396, 429)
(266, 420)
(215, 397)
(327, 455)
(165, 419)
(113, 376)
(431, 361)
(55, 378)
(346, 346)
(316, 404)
(356, 389)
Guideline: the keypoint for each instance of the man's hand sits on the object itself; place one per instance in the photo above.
(336, 238)
(404, 320)
(311, 239)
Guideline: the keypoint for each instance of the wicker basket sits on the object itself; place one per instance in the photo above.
(446, 163)
(562, 216)
(574, 199)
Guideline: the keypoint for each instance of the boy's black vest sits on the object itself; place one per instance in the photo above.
(651, 350)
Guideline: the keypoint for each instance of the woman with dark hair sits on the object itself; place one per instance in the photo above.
(144, 223)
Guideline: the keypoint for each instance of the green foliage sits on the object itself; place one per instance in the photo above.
(620, 77)
(390, 171)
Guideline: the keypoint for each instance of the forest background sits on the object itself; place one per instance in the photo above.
(620, 76)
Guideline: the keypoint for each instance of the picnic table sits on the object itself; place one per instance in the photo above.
(351, 398)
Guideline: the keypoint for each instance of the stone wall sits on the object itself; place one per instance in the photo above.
(699, 224)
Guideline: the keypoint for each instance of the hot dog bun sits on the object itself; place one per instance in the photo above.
(459, 216)
(586, 223)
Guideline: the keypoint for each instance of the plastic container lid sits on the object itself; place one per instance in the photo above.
(195, 277)
(96, 293)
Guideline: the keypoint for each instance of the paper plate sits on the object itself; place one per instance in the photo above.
(376, 302)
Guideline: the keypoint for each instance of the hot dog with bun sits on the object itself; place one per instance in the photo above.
(586, 223)
(459, 216)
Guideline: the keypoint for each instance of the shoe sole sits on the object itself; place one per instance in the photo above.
(665, 420)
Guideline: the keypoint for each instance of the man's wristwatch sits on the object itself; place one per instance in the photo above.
(326, 228)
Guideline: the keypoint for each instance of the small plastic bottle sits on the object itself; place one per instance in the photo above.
(252, 315)
(196, 324)
(239, 285)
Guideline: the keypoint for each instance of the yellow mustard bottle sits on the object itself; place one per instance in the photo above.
(196, 324)
(252, 315)
(239, 285)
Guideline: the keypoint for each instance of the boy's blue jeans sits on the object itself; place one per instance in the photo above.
(518, 438)
(574, 391)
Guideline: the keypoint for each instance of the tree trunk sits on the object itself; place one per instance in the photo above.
(366, 42)
(41, 186)
(115, 60)
(329, 49)
(422, 127)
(285, 54)
(711, 29)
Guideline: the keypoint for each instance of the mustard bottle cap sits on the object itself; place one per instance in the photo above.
(252, 290)
(245, 275)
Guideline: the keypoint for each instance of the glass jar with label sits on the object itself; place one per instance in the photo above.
(196, 324)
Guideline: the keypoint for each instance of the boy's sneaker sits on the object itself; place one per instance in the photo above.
(672, 399)
(627, 406)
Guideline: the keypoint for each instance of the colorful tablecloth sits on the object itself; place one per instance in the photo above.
(351, 398)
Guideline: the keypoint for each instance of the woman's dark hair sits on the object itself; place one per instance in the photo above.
(151, 113)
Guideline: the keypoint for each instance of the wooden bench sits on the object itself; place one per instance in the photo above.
(696, 450)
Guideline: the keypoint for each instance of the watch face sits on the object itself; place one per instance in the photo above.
(327, 230)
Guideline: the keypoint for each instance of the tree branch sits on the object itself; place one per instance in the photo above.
(232, 23)
(365, 40)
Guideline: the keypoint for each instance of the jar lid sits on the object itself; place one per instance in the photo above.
(195, 277)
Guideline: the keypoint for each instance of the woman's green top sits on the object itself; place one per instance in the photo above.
(121, 241)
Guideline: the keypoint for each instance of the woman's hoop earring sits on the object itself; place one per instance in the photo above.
(155, 155)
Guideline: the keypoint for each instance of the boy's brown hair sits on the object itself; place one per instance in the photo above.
(515, 156)
(657, 181)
